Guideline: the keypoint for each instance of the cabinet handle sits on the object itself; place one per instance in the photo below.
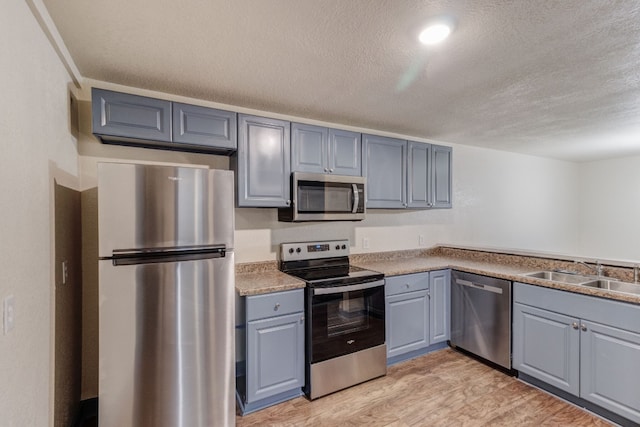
(288, 202)
(326, 170)
(407, 285)
(331, 170)
(574, 325)
(583, 327)
(429, 204)
(302, 319)
(276, 307)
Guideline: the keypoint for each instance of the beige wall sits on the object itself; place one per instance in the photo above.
(36, 143)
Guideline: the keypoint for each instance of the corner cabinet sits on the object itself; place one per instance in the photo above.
(585, 346)
(126, 119)
(262, 163)
(406, 174)
(439, 306)
(417, 310)
(274, 349)
(323, 150)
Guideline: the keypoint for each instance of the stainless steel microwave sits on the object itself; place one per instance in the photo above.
(320, 197)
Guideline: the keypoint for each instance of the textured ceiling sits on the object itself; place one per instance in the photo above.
(551, 78)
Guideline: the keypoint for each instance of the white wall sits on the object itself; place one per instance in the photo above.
(609, 206)
(34, 137)
(500, 199)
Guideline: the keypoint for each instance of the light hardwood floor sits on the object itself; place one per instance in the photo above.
(444, 388)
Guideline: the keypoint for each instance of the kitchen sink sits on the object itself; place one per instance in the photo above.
(574, 279)
(589, 281)
(614, 285)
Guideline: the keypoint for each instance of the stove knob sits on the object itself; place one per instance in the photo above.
(337, 247)
(298, 250)
(344, 246)
(290, 250)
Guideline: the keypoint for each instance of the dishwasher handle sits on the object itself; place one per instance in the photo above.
(479, 286)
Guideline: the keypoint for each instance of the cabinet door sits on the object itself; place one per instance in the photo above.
(275, 356)
(204, 126)
(439, 306)
(309, 148)
(546, 346)
(384, 164)
(345, 153)
(130, 116)
(419, 175)
(610, 369)
(407, 317)
(441, 176)
(263, 168)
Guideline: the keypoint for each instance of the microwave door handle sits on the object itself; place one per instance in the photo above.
(356, 198)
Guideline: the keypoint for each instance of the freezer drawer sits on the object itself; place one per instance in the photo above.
(166, 349)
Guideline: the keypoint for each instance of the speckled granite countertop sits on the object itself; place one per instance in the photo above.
(260, 278)
(263, 278)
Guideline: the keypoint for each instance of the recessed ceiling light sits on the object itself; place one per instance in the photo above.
(434, 34)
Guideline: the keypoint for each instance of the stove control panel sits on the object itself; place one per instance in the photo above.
(314, 250)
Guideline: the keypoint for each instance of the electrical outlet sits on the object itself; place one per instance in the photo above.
(365, 243)
(421, 240)
(9, 314)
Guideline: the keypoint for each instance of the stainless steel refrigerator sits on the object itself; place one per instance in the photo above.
(166, 296)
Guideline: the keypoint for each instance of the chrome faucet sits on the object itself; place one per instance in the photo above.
(599, 269)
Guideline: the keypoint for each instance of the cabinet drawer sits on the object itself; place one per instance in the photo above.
(407, 283)
(275, 304)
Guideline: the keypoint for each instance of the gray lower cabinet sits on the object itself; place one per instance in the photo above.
(546, 346)
(417, 308)
(439, 306)
(407, 313)
(138, 120)
(274, 349)
(318, 149)
(586, 346)
(262, 163)
(406, 174)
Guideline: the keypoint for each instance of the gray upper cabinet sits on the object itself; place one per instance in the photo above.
(125, 116)
(441, 176)
(406, 174)
(204, 126)
(345, 152)
(384, 164)
(321, 150)
(418, 175)
(122, 118)
(262, 164)
(309, 148)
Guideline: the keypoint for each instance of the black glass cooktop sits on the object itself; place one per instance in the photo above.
(335, 275)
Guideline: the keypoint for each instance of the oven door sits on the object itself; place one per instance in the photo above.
(345, 319)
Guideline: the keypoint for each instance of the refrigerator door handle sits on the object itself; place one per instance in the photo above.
(148, 256)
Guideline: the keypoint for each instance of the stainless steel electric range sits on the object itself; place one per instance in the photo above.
(344, 308)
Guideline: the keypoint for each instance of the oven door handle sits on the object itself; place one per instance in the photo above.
(349, 288)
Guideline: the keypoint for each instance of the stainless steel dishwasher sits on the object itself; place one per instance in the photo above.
(481, 316)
